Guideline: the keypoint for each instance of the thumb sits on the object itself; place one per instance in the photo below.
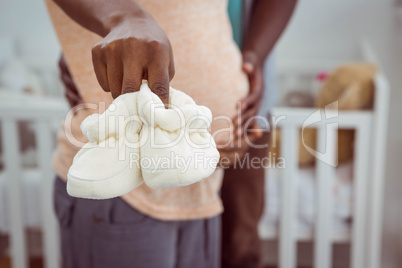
(248, 67)
(249, 62)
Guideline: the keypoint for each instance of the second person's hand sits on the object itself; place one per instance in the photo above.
(250, 105)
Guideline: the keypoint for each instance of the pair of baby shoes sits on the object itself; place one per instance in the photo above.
(137, 140)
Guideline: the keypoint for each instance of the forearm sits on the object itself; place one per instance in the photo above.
(268, 20)
(99, 16)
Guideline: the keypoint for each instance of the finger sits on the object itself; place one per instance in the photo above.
(114, 75)
(256, 91)
(250, 57)
(248, 67)
(158, 80)
(253, 135)
(171, 65)
(226, 149)
(239, 121)
(245, 120)
(255, 130)
(100, 68)
(132, 77)
(242, 118)
(236, 121)
(250, 113)
(254, 98)
(252, 132)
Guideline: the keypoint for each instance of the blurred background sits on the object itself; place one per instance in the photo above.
(29, 52)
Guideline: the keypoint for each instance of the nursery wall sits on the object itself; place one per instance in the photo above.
(27, 22)
(322, 28)
(318, 27)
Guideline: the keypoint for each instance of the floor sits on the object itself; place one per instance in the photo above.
(33, 263)
(37, 263)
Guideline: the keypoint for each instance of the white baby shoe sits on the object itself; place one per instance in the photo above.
(176, 147)
(108, 165)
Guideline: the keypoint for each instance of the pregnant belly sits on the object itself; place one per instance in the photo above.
(215, 81)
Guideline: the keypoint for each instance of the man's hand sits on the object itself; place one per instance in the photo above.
(250, 105)
(134, 49)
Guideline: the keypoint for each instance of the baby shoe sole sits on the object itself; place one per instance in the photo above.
(102, 189)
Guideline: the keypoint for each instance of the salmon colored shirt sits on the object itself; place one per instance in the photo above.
(208, 68)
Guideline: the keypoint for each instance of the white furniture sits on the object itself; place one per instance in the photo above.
(43, 112)
(368, 180)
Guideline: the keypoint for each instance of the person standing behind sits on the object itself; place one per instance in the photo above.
(242, 190)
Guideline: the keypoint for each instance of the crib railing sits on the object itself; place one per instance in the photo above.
(42, 112)
(370, 143)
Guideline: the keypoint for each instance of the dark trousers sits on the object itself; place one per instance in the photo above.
(243, 200)
(110, 233)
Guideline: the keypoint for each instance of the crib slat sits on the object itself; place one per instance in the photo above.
(44, 140)
(12, 170)
(325, 178)
(288, 235)
(362, 152)
(378, 156)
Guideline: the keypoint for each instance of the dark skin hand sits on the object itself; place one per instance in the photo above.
(268, 20)
(133, 47)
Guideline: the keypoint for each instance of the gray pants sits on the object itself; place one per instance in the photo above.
(110, 233)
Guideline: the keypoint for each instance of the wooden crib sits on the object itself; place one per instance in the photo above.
(44, 113)
(368, 178)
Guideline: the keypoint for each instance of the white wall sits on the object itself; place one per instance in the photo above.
(319, 28)
(27, 21)
(322, 28)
